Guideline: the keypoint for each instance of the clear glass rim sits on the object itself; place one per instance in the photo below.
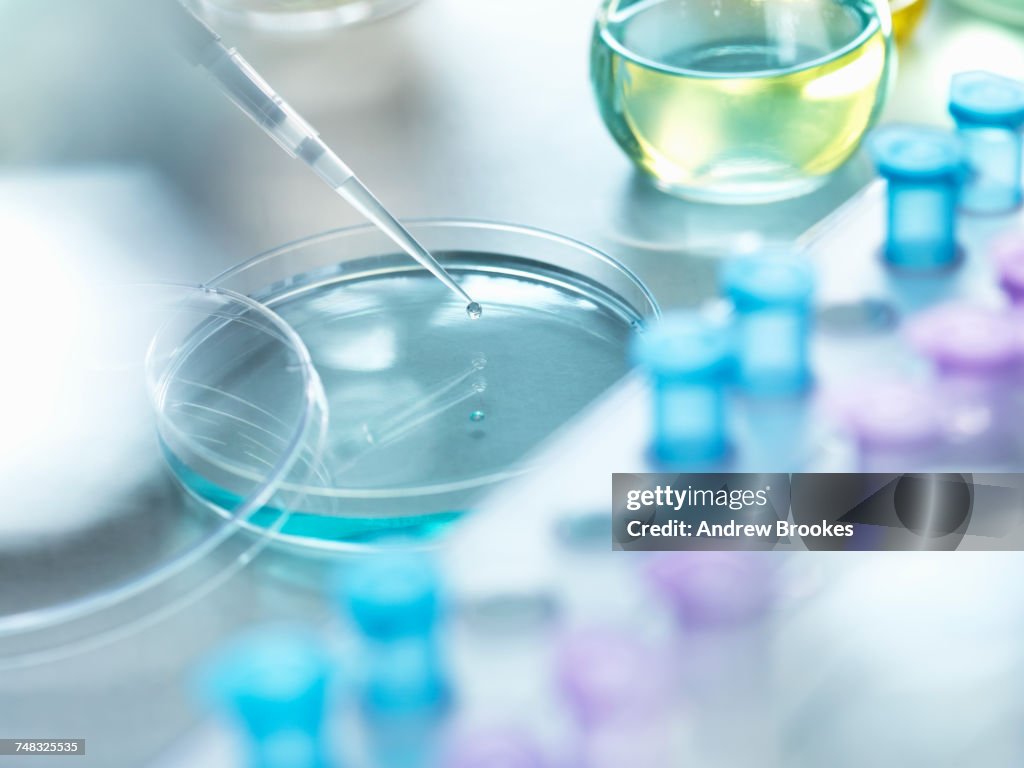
(650, 312)
(312, 416)
(416, 224)
(883, 18)
(304, 22)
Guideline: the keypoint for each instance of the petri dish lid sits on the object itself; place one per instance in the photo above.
(98, 534)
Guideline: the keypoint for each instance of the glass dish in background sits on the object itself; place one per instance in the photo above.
(430, 409)
(1009, 11)
(740, 101)
(110, 540)
(297, 15)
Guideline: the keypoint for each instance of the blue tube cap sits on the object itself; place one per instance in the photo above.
(685, 345)
(766, 282)
(917, 153)
(984, 98)
(392, 596)
(275, 680)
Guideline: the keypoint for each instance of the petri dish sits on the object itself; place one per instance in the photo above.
(98, 536)
(430, 408)
(298, 15)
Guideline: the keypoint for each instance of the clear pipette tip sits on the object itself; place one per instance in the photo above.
(364, 201)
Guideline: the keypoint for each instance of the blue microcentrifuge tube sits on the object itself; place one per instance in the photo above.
(772, 297)
(394, 602)
(688, 359)
(275, 680)
(989, 113)
(925, 169)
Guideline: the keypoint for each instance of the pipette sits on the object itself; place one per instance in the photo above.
(244, 86)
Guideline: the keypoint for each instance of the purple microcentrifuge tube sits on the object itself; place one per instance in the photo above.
(963, 340)
(977, 351)
(1008, 253)
(493, 748)
(723, 603)
(619, 689)
(708, 589)
(897, 425)
(606, 675)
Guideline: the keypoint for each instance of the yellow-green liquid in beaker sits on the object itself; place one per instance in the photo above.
(740, 100)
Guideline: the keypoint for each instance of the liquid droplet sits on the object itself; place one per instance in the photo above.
(474, 310)
(477, 416)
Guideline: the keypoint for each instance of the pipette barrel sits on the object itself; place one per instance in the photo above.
(772, 298)
(924, 168)
(244, 86)
(989, 113)
(688, 359)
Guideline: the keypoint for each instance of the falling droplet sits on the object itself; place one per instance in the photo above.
(474, 310)
(477, 416)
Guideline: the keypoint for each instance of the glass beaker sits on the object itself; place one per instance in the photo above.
(740, 101)
(298, 15)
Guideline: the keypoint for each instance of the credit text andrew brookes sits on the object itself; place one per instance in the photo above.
(715, 510)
